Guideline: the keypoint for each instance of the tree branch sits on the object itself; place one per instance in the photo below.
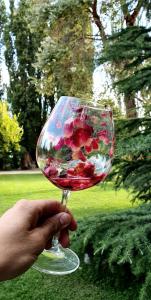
(130, 18)
(124, 8)
(97, 20)
(137, 10)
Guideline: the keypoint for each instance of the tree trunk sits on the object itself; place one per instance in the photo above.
(26, 161)
(131, 111)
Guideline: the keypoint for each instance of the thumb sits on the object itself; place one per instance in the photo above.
(54, 224)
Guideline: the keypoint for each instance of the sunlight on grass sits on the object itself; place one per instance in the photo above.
(101, 198)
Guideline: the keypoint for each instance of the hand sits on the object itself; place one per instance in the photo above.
(27, 229)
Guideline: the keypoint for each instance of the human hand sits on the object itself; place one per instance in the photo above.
(27, 229)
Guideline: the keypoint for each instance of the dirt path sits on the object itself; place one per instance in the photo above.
(35, 171)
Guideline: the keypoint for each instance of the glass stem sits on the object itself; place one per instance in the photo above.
(55, 242)
(65, 196)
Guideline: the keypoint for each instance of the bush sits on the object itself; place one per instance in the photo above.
(10, 136)
(119, 248)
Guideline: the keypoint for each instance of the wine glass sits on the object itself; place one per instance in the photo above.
(74, 151)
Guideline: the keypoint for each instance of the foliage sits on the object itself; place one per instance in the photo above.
(65, 56)
(109, 103)
(132, 164)
(133, 46)
(47, 55)
(2, 15)
(21, 46)
(10, 134)
(146, 290)
(123, 17)
(119, 247)
(2, 22)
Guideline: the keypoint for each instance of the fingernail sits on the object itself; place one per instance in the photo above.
(65, 219)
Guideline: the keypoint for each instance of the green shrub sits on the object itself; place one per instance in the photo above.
(10, 136)
(119, 248)
(145, 293)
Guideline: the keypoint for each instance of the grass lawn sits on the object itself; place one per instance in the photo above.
(91, 201)
(34, 285)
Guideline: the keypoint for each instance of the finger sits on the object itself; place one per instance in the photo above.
(48, 208)
(64, 238)
(35, 211)
(48, 245)
(45, 207)
(73, 224)
(54, 224)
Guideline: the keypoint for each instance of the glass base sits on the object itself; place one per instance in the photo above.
(61, 262)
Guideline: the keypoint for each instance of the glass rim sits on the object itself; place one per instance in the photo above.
(88, 104)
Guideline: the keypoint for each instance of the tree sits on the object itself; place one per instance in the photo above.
(10, 134)
(133, 161)
(133, 46)
(123, 14)
(128, 51)
(2, 22)
(21, 46)
(66, 54)
(133, 157)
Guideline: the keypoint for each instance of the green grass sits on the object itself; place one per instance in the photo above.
(87, 202)
(34, 285)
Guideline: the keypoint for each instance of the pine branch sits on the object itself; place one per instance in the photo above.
(119, 246)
